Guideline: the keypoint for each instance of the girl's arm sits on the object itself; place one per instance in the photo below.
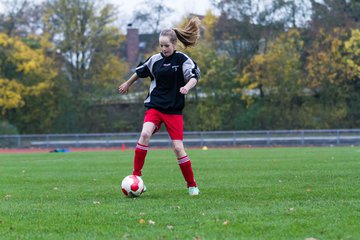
(189, 85)
(124, 88)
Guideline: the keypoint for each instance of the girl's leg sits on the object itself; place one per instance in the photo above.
(184, 163)
(142, 147)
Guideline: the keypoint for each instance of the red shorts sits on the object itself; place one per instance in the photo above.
(174, 123)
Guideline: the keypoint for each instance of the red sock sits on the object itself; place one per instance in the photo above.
(186, 169)
(139, 158)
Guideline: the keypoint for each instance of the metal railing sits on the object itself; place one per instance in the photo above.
(191, 139)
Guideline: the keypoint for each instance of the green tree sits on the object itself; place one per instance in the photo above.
(88, 44)
(214, 101)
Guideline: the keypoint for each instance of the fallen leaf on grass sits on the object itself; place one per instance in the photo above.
(141, 221)
(226, 223)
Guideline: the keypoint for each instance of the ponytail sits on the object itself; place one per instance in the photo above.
(188, 35)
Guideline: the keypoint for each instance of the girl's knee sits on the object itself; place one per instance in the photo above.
(145, 135)
(179, 150)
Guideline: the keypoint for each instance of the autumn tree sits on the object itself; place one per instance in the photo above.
(352, 53)
(302, 86)
(213, 100)
(88, 46)
(86, 40)
(333, 77)
(26, 72)
(276, 79)
(327, 77)
(245, 27)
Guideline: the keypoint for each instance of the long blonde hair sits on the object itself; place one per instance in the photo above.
(188, 36)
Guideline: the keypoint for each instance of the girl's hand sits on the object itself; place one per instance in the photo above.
(189, 85)
(184, 90)
(123, 88)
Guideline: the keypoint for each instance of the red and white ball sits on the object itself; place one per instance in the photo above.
(132, 186)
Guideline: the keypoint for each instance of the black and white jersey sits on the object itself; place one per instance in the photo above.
(168, 75)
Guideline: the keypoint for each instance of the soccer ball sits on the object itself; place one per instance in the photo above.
(132, 186)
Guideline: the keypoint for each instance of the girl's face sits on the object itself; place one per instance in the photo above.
(167, 48)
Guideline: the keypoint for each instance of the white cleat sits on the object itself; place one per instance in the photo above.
(194, 191)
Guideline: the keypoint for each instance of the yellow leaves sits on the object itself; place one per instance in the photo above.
(287, 43)
(209, 23)
(209, 20)
(33, 70)
(245, 79)
(279, 65)
(27, 67)
(44, 42)
(353, 44)
(353, 66)
(4, 40)
(10, 94)
(252, 74)
(326, 62)
(27, 59)
(259, 59)
(333, 60)
(37, 89)
(335, 44)
(107, 73)
(352, 48)
(253, 85)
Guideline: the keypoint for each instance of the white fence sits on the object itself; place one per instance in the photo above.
(191, 139)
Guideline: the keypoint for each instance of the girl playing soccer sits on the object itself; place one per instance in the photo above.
(172, 75)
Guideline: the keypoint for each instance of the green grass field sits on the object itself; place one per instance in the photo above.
(252, 193)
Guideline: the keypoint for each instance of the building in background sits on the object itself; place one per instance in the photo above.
(132, 45)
